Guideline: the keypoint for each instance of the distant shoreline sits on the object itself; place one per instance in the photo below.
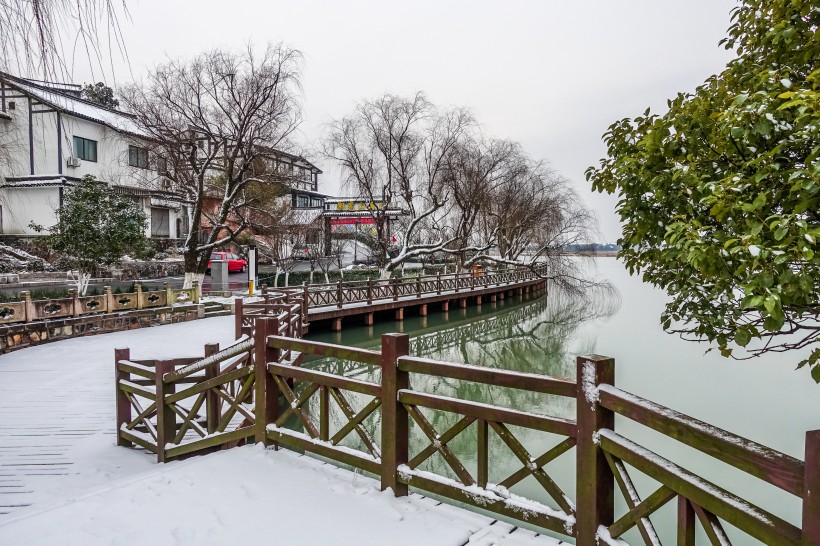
(596, 253)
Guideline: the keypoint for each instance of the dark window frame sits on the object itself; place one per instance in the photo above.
(85, 149)
(137, 157)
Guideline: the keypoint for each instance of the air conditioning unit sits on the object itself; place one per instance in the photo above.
(166, 184)
(73, 161)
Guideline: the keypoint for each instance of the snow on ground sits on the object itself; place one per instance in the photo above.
(251, 494)
(64, 481)
(57, 409)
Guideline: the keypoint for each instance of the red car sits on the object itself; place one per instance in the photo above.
(235, 263)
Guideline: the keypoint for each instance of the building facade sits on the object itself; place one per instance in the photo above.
(51, 138)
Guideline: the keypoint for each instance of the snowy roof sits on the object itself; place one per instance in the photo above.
(70, 104)
(301, 217)
(38, 181)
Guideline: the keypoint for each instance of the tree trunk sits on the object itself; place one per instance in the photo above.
(81, 282)
(287, 277)
(276, 277)
(192, 267)
(191, 277)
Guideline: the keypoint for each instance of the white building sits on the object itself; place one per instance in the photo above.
(52, 138)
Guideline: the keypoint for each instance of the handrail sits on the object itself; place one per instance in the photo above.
(756, 459)
(489, 376)
(325, 349)
(234, 350)
(751, 519)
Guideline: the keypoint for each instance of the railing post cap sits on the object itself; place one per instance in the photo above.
(595, 358)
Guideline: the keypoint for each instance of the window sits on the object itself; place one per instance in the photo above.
(315, 202)
(162, 165)
(85, 149)
(301, 201)
(160, 223)
(138, 157)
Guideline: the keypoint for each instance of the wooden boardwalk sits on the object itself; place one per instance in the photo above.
(344, 301)
(57, 426)
(57, 440)
(43, 416)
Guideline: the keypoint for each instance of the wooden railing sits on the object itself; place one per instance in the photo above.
(186, 406)
(340, 293)
(230, 396)
(602, 455)
(29, 310)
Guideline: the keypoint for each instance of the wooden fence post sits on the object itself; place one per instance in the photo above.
(305, 302)
(169, 294)
(123, 405)
(237, 317)
(395, 426)
(138, 289)
(267, 392)
(418, 286)
(455, 280)
(197, 292)
(166, 418)
(438, 283)
(369, 291)
(595, 484)
(212, 400)
(339, 294)
(811, 490)
(686, 522)
(395, 289)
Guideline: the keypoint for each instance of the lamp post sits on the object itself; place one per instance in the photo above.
(355, 240)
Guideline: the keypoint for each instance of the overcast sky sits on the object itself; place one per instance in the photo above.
(552, 75)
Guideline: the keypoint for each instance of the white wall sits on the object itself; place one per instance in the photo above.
(21, 206)
(24, 205)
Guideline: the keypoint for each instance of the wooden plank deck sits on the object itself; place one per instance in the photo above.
(57, 411)
(57, 427)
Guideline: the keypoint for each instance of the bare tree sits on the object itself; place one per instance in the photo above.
(477, 170)
(393, 151)
(532, 216)
(40, 38)
(216, 123)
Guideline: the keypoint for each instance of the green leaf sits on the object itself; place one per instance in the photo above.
(742, 337)
(815, 373)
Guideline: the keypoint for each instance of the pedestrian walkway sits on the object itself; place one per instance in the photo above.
(57, 410)
(64, 481)
(250, 495)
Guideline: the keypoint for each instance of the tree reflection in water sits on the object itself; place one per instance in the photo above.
(536, 336)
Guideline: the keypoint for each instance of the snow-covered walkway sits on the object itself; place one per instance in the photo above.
(57, 410)
(64, 481)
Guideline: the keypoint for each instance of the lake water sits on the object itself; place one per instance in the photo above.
(762, 399)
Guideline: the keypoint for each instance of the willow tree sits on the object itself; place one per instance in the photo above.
(36, 35)
(720, 195)
(393, 152)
